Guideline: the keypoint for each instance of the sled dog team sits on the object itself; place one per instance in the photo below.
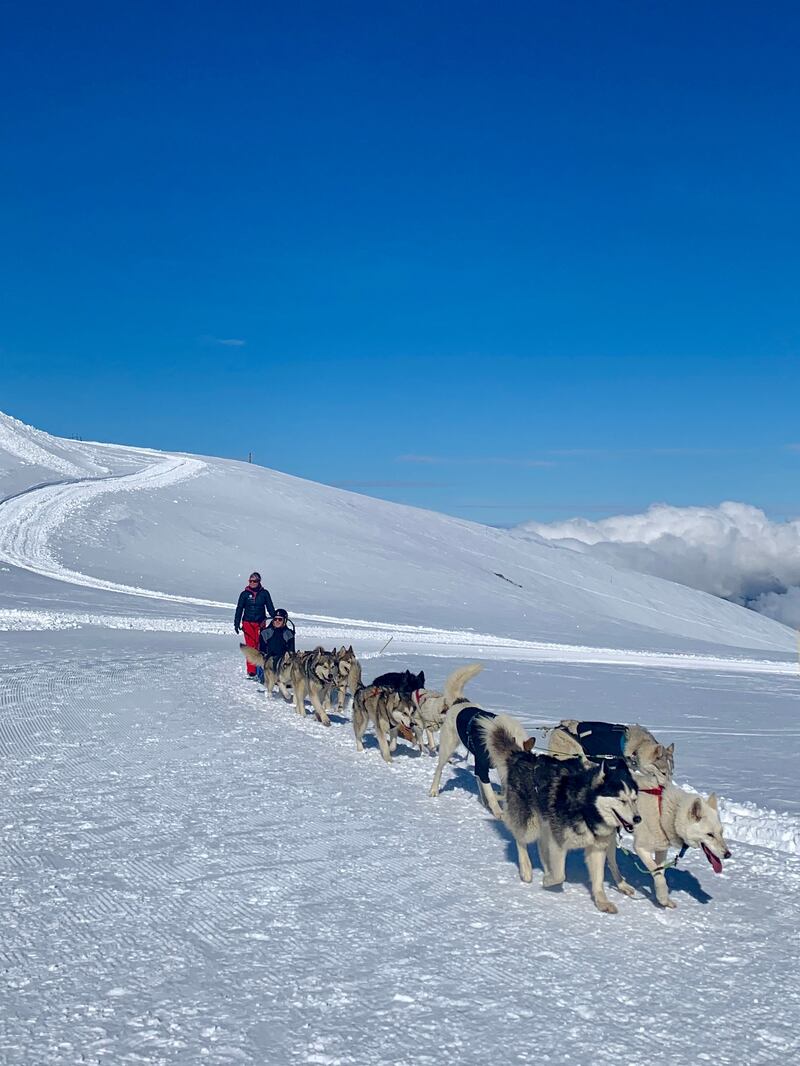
(594, 780)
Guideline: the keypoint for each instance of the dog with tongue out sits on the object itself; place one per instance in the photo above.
(678, 819)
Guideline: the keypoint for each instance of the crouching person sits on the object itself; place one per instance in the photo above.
(276, 638)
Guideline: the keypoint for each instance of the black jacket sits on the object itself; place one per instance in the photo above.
(254, 605)
(276, 641)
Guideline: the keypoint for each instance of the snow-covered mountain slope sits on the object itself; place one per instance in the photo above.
(194, 527)
(193, 873)
(30, 457)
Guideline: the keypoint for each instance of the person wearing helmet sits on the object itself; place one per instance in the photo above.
(277, 636)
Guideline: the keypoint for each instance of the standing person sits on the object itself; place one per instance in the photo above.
(255, 603)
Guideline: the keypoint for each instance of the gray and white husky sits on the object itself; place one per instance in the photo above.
(271, 670)
(312, 673)
(643, 753)
(385, 709)
(672, 817)
(347, 674)
(429, 714)
(564, 804)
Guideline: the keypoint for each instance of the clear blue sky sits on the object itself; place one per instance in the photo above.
(504, 260)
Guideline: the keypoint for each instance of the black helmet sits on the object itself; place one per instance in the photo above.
(281, 613)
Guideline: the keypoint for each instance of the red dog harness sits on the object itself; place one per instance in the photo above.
(657, 791)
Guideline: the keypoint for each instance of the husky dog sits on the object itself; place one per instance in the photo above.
(403, 682)
(671, 816)
(312, 673)
(284, 675)
(641, 750)
(385, 709)
(266, 663)
(429, 707)
(565, 804)
(461, 725)
(347, 674)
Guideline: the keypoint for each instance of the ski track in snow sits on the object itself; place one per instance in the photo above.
(28, 521)
(241, 886)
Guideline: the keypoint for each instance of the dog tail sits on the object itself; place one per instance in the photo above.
(504, 736)
(454, 685)
(355, 680)
(252, 655)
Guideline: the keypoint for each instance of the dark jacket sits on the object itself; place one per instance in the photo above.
(276, 641)
(254, 605)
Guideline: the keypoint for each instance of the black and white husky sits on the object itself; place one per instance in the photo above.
(564, 804)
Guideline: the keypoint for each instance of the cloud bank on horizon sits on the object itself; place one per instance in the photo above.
(733, 551)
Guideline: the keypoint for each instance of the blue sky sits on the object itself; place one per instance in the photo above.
(505, 261)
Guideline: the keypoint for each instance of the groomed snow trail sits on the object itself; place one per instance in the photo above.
(28, 521)
(192, 873)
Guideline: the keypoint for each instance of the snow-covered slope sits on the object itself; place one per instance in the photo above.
(30, 457)
(202, 524)
(193, 873)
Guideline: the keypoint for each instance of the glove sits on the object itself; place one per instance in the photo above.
(236, 629)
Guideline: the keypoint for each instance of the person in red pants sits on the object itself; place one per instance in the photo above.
(255, 603)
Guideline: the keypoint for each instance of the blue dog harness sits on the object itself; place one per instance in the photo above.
(601, 739)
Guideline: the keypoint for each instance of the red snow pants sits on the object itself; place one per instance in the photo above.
(252, 631)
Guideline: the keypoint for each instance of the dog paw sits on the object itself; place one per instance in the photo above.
(606, 906)
(526, 876)
(433, 792)
(626, 889)
(670, 904)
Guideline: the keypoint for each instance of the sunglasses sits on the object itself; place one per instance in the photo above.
(278, 618)
(254, 580)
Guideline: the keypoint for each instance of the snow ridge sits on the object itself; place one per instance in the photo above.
(33, 447)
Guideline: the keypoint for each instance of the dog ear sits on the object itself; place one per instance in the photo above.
(528, 744)
(601, 775)
(696, 810)
(671, 749)
(712, 801)
(659, 750)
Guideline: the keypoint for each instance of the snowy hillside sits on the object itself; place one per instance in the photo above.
(194, 527)
(193, 873)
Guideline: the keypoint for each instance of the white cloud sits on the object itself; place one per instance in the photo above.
(734, 551)
(226, 342)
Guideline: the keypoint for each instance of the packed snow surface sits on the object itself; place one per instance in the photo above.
(194, 873)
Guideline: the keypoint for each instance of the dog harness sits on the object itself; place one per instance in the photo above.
(599, 739)
(471, 738)
(657, 791)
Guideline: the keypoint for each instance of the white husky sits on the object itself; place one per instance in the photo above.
(674, 818)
